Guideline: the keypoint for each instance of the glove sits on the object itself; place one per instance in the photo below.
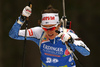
(27, 11)
(64, 36)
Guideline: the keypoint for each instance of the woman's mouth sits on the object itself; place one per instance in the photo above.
(50, 35)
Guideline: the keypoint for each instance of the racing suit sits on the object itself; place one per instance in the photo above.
(54, 53)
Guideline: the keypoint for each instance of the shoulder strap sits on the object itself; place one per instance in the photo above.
(42, 37)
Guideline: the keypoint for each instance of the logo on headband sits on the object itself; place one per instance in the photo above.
(46, 22)
(48, 18)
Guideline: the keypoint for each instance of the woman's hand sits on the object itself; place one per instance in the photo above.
(64, 36)
(27, 11)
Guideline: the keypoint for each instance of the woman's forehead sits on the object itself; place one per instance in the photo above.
(49, 25)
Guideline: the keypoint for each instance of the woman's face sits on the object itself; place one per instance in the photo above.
(51, 34)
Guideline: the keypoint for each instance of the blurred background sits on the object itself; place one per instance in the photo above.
(85, 17)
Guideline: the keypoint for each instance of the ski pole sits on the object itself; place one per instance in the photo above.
(24, 47)
(64, 21)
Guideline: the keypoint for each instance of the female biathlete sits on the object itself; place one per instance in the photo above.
(54, 52)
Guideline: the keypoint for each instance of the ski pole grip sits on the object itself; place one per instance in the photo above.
(57, 31)
(30, 5)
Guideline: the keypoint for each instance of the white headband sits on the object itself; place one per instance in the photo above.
(50, 18)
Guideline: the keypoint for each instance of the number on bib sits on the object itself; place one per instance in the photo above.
(50, 60)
